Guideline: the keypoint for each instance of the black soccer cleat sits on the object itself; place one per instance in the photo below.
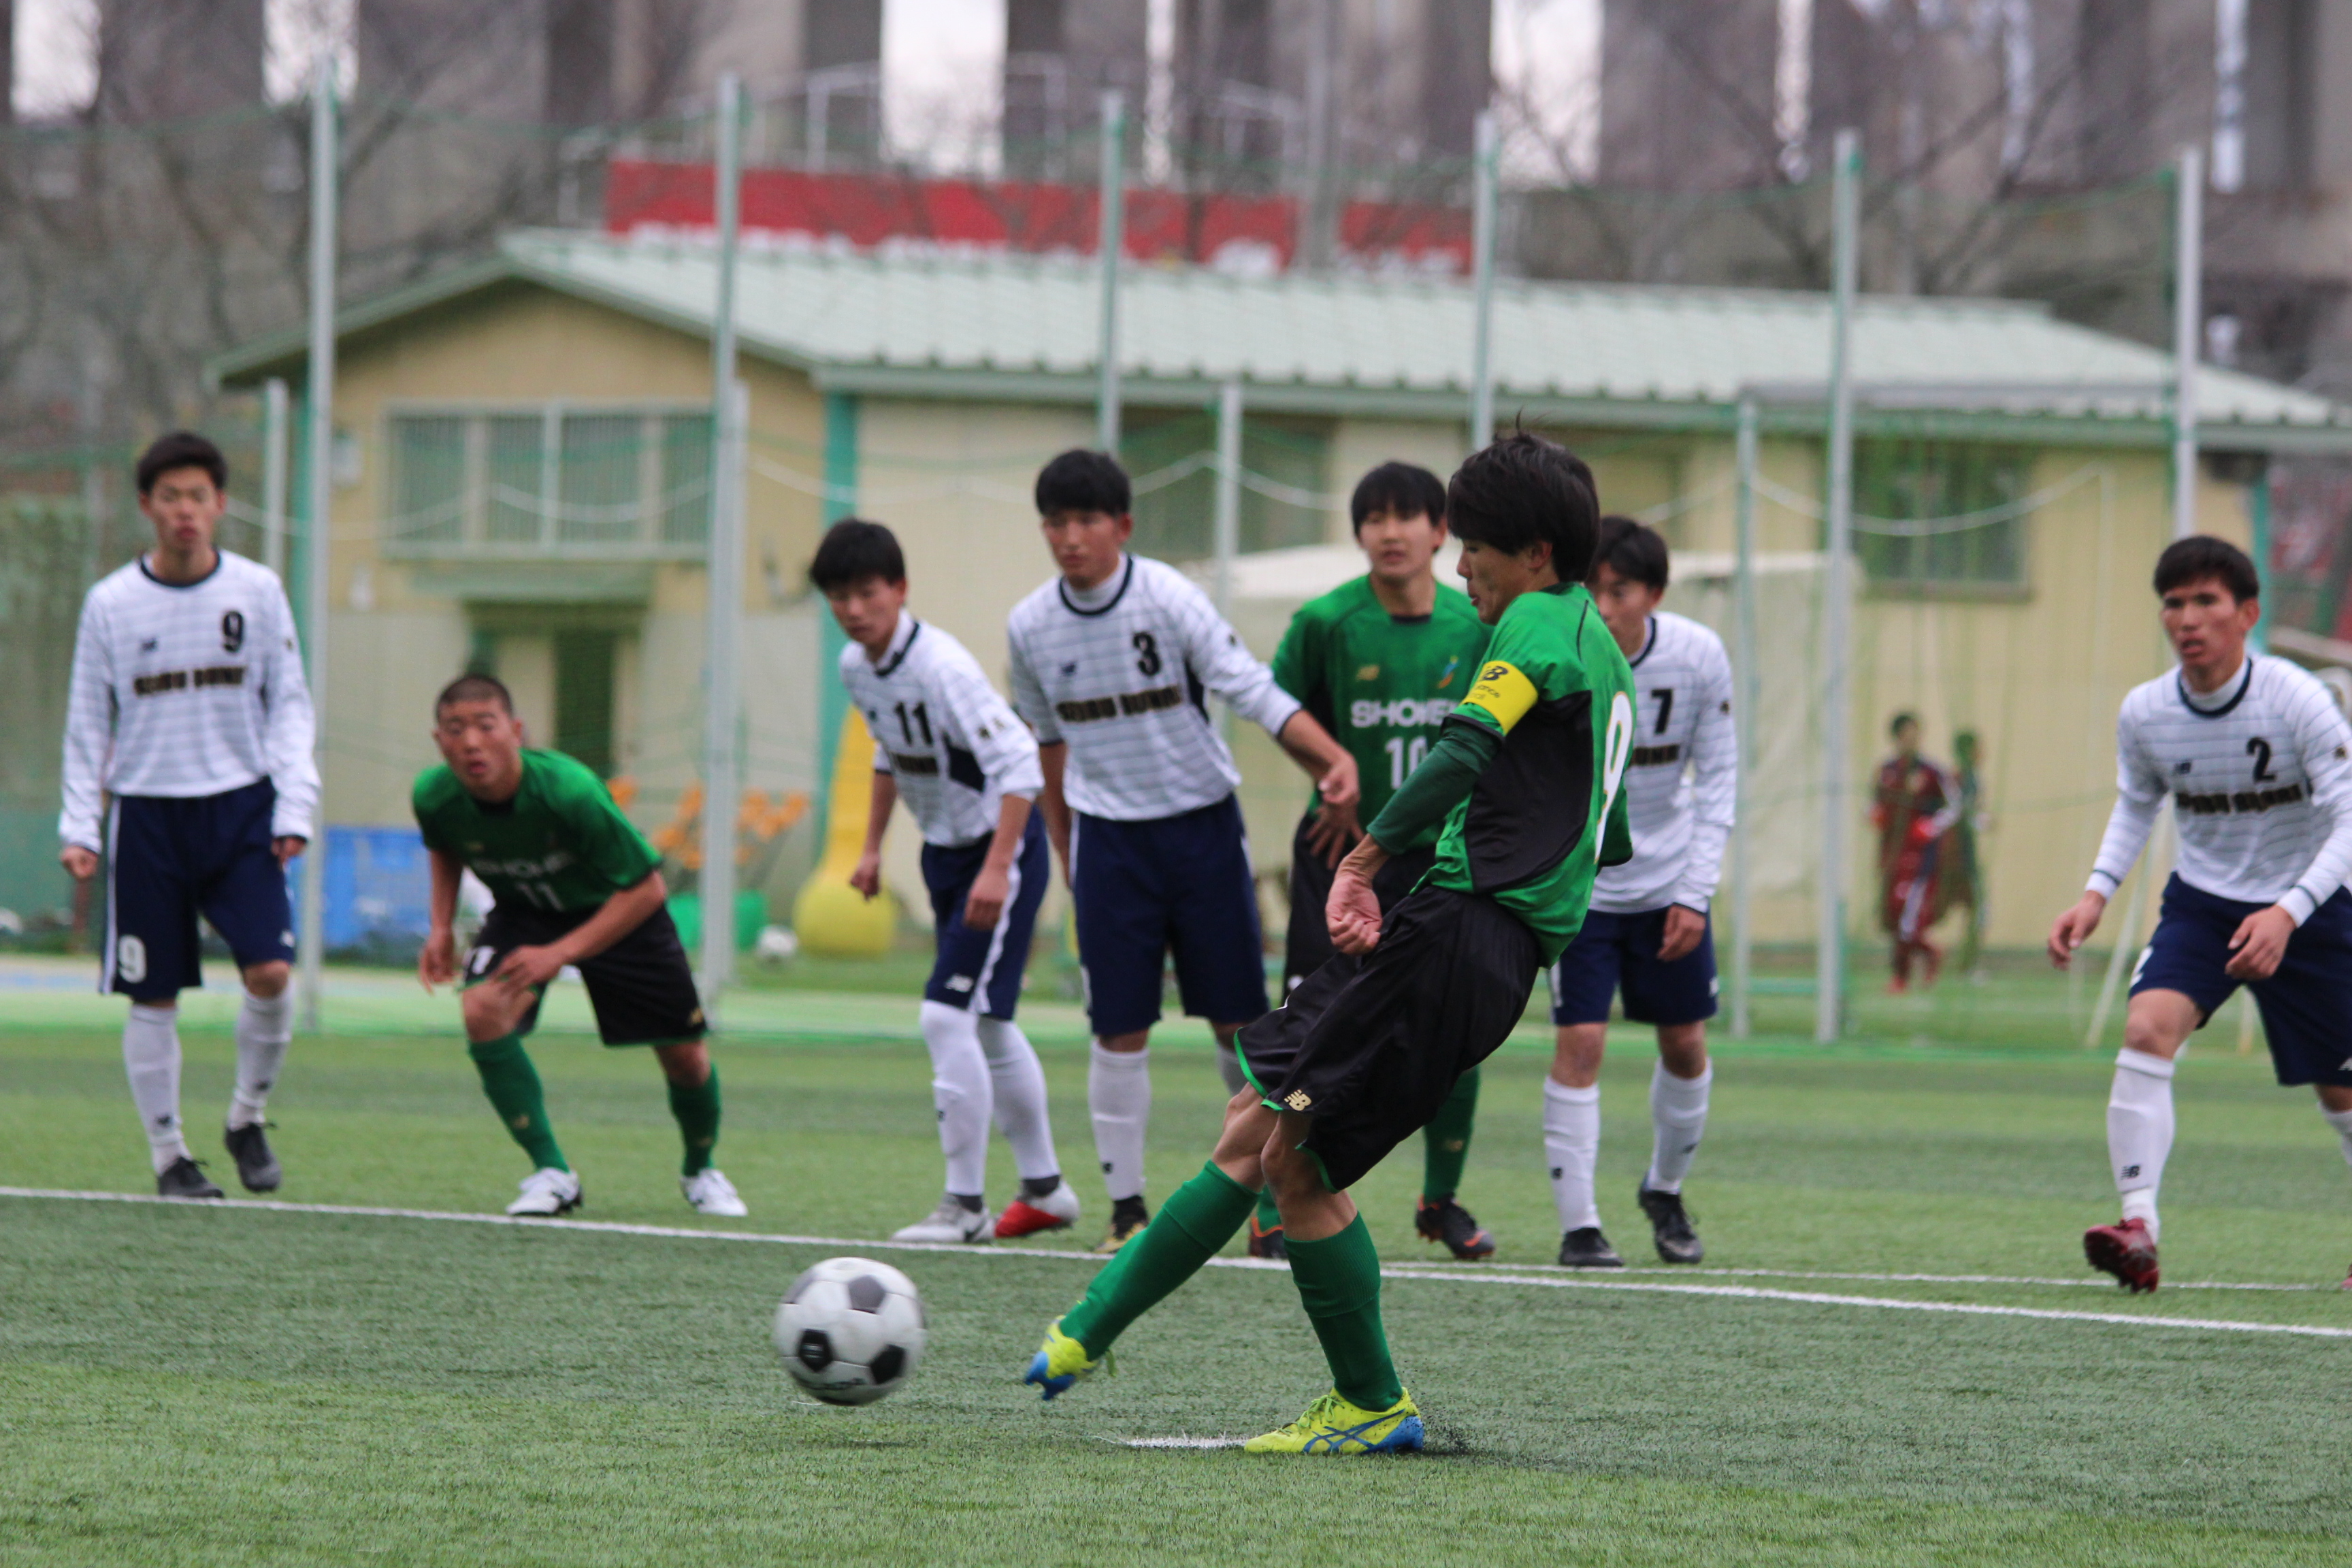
(1670, 1224)
(1447, 1221)
(257, 1167)
(1587, 1248)
(1128, 1218)
(1268, 1243)
(183, 1178)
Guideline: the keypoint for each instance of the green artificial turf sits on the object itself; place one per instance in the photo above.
(198, 1383)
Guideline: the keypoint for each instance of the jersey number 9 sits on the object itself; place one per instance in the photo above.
(232, 631)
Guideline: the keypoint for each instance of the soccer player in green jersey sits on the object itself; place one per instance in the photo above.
(573, 882)
(1525, 776)
(1379, 661)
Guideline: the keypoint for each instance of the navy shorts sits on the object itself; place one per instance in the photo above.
(168, 861)
(980, 971)
(1179, 884)
(2306, 1005)
(1620, 952)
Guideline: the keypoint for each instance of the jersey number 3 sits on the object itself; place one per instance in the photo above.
(1147, 654)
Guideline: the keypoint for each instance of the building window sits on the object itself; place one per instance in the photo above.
(1936, 516)
(549, 481)
(1285, 467)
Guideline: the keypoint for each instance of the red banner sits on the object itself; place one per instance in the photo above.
(1255, 235)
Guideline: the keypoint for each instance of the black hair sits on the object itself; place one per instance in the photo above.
(853, 549)
(475, 687)
(2199, 556)
(1080, 480)
(1521, 489)
(1894, 725)
(1401, 490)
(181, 449)
(1634, 550)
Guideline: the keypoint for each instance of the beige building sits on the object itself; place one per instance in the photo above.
(524, 454)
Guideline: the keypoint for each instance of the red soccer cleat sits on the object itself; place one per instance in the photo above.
(2347, 1280)
(1050, 1211)
(2125, 1250)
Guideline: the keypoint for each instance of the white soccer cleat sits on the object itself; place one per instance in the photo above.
(951, 1223)
(711, 1192)
(546, 1193)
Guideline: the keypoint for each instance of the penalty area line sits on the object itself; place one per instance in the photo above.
(1391, 1271)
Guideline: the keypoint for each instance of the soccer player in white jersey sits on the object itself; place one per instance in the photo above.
(1648, 936)
(947, 744)
(1111, 662)
(2258, 761)
(189, 710)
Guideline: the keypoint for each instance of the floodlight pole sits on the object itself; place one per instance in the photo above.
(273, 476)
(1110, 240)
(1746, 709)
(2187, 320)
(723, 784)
(1482, 275)
(1837, 695)
(310, 952)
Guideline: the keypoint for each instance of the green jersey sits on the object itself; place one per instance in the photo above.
(1556, 690)
(560, 844)
(1380, 683)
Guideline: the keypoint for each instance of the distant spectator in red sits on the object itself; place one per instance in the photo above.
(1913, 805)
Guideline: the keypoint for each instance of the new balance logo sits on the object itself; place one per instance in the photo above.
(1297, 1099)
(147, 644)
(2130, 1170)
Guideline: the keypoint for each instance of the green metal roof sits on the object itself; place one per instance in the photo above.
(1615, 355)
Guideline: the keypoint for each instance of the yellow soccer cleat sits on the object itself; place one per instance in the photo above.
(1062, 1362)
(1334, 1425)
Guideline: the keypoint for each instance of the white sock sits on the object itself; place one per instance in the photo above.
(1677, 1122)
(2342, 1121)
(151, 1059)
(1119, 1097)
(961, 1092)
(2139, 1132)
(265, 1028)
(1019, 1085)
(1572, 1125)
(1229, 1067)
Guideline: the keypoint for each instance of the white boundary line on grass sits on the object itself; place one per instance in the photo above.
(1403, 1271)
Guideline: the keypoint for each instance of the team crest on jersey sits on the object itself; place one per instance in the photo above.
(1452, 665)
(1368, 673)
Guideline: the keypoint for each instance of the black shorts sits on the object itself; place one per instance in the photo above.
(1370, 1047)
(641, 987)
(1309, 948)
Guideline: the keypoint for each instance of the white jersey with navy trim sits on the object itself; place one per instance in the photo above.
(1681, 782)
(1118, 672)
(186, 689)
(941, 731)
(2261, 778)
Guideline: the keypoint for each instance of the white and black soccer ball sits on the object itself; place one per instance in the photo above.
(851, 1329)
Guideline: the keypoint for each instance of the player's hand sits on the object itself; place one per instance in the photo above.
(990, 890)
(1353, 911)
(1339, 784)
(285, 846)
(1333, 833)
(437, 963)
(2260, 943)
(867, 878)
(1684, 929)
(81, 863)
(2074, 927)
(527, 968)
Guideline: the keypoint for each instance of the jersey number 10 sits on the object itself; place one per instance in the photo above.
(1403, 757)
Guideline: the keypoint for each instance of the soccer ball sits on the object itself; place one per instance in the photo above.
(851, 1329)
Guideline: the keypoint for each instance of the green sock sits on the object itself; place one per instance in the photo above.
(1198, 1218)
(697, 1111)
(512, 1084)
(1447, 1136)
(1268, 1216)
(1339, 1281)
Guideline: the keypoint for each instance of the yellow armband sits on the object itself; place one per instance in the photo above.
(1503, 693)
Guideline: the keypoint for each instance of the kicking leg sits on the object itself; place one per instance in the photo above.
(1572, 1143)
(1196, 1221)
(1678, 1097)
(2139, 1133)
(265, 1028)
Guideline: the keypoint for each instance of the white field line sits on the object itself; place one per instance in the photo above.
(1178, 1442)
(1405, 1271)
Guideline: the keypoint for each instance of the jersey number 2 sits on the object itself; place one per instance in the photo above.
(2259, 749)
